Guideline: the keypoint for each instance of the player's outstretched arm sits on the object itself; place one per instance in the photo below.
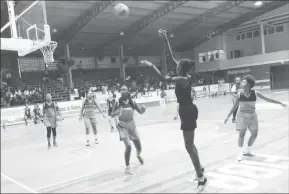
(163, 34)
(259, 95)
(81, 109)
(234, 108)
(138, 108)
(98, 106)
(178, 79)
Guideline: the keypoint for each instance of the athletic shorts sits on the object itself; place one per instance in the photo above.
(127, 130)
(50, 122)
(188, 115)
(90, 122)
(247, 121)
(109, 111)
(27, 117)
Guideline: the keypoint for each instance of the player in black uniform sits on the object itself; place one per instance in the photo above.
(188, 111)
(27, 114)
(110, 103)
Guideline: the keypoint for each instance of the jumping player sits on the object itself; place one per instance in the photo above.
(124, 108)
(88, 111)
(247, 117)
(110, 103)
(235, 89)
(50, 119)
(27, 114)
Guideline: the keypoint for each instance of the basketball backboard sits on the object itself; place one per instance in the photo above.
(28, 25)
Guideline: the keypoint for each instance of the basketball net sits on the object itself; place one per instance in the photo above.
(47, 52)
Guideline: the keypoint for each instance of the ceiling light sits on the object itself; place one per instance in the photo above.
(54, 30)
(121, 33)
(258, 3)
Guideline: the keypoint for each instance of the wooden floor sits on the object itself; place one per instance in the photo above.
(27, 165)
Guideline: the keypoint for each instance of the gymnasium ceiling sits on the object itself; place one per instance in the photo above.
(91, 28)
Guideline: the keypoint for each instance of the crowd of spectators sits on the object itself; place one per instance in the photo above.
(19, 96)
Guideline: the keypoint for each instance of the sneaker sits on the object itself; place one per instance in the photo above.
(112, 129)
(49, 146)
(55, 144)
(127, 171)
(96, 141)
(248, 154)
(240, 157)
(87, 143)
(202, 184)
(233, 120)
(196, 178)
(140, 159)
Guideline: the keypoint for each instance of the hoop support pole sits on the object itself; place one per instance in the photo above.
(18, 16)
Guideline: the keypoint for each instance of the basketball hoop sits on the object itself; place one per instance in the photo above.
(47, 52)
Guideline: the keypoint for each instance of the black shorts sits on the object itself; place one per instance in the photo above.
(109, 111)
(28, 116)
(188, 115)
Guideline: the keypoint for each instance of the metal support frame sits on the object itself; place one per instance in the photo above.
(83, 20)
(183, 28)
(136, 27)
(233, 24)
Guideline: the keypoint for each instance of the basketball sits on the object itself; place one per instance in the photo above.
(121, 10)
(70, 62)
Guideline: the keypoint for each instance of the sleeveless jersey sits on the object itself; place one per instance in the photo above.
(183, 94)
(127, 111)
(27, 111)
(247, 103)
(110, 103)
(49, 110)
(89, 108)
(36, 111)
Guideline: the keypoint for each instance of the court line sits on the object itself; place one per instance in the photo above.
(89, 152)
(18, 183)
(279, 190)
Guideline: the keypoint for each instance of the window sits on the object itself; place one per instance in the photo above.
(279, 28)
(265, 31)
(243, 36)
(271, 30)
(256, 33)
(238, 37)
(202, 57)
(249, 35)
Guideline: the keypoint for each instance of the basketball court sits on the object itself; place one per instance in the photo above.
(28, 166)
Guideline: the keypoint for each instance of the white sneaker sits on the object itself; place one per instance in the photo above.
(127, 171)
(240, 156)
(87, 143)
(96, 141)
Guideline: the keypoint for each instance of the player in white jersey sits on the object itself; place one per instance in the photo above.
(247, 117)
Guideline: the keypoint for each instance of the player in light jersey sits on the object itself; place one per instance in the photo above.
(110, 104)
(247, 117)
(124, 108)
(50, 119)
(88, 111)
(235, 89)
(27, 114)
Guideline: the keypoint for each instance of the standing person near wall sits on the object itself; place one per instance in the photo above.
(234, 90)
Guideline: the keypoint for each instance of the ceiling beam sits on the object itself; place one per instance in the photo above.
(211, 13)
(232, 24)
(82, 21)
(137, 26)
